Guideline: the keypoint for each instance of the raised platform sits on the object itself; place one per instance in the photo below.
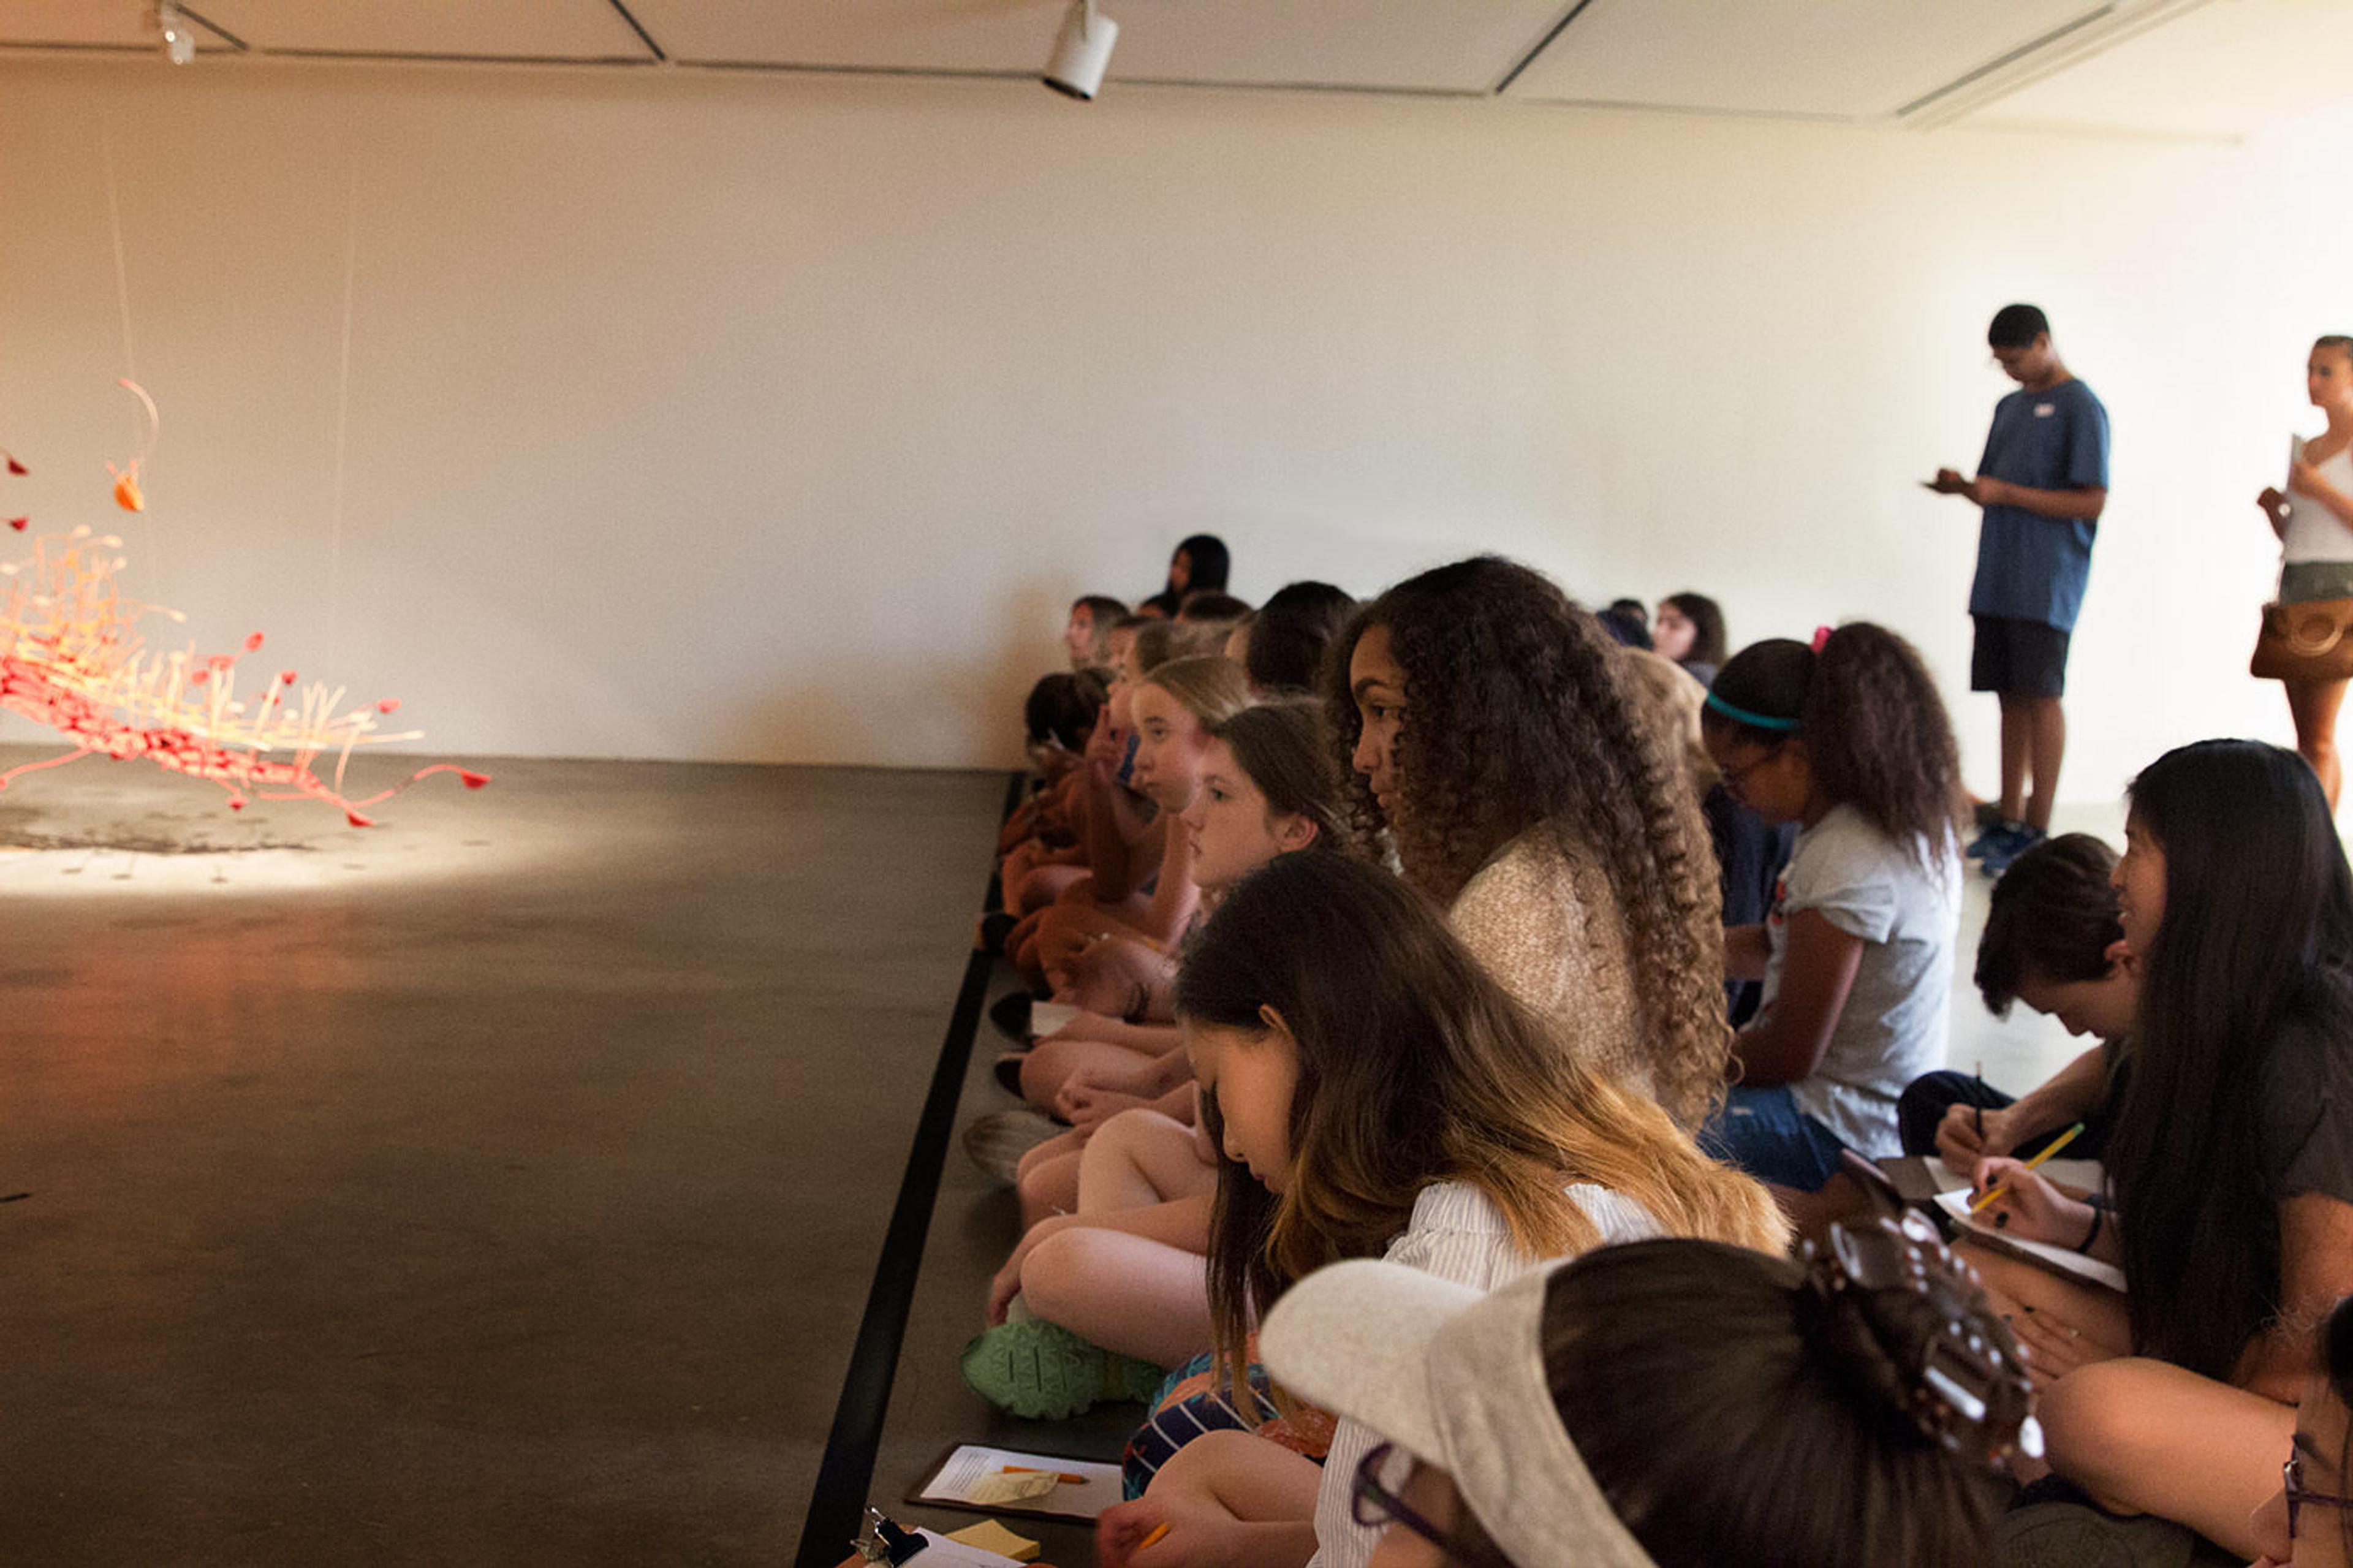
(502, 1183)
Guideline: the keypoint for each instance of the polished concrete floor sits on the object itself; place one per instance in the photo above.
(502, 1183)
(498, 1184)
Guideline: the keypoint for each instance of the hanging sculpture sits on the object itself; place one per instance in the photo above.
(72, 659)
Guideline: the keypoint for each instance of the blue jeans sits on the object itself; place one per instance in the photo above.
(1761, 1130)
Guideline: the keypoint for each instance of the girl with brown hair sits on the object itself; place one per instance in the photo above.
(1496, 743)
(1848, 739)
(1376, 1093)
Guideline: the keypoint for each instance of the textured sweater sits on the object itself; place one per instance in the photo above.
(1546, 925)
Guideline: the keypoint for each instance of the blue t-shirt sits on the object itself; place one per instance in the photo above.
(2030, 567)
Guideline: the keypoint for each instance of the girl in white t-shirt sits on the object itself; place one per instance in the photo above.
(2314, 520)
(1375, 1093)
(1848, 739)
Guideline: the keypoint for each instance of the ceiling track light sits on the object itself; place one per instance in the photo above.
(179, 39)
(1082, 51)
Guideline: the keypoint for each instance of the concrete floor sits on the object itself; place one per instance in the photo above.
(498, 1184)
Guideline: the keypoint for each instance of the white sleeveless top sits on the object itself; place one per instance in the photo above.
(2312, 531)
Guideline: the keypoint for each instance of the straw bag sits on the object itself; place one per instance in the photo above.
(2311, 641)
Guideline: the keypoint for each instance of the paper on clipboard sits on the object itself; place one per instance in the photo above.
(971, 1476)
(2058, 1259)
(939, 1552)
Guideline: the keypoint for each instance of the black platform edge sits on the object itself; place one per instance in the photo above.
(845, 1475)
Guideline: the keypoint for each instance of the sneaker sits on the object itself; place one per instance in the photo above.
(2015, 841)
(1010, 1014)
(996, 1142)
(1990, 835)
(1042, 1372)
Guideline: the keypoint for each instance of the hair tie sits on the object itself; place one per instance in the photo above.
(1962, 1386)
(1822, 636)
(1754, 721)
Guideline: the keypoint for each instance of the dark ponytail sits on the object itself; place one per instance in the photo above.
(1875, 728)
(1737, 1407)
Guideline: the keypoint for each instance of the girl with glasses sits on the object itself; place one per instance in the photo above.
(2308, 1523)
(1848, 740)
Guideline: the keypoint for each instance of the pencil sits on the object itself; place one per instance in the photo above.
(2053, 1147)
(1062, 1476)
(1153, 1539)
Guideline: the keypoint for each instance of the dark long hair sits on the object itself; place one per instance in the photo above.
(1293, 633)
(1211, 563)
(1707, 616)
(1731, 1412)
(1519, 710)
(1874, 728)
(2255, 943)
(1415, 1067)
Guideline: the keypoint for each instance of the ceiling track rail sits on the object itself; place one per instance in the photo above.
(2094, 32)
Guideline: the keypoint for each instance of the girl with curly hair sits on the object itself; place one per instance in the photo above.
(1495, 740)
(1850, 743)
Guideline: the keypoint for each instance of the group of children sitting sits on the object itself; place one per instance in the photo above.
(1390, 1135)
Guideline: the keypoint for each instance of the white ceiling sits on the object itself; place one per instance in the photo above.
(2199, 67)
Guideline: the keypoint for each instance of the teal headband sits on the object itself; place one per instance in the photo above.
(1754, 721)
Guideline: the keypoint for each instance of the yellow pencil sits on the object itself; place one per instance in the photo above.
(1153, 1539)
(2053, 1147)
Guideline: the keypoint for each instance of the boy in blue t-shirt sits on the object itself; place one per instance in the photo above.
(2042, 482)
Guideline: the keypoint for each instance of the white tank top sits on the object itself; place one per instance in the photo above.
(2312, 531)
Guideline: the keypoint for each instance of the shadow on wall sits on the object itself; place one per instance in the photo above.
(900, 705)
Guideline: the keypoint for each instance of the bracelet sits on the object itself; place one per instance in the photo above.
(2099, 1215)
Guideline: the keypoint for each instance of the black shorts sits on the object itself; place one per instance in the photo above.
(2019, 658)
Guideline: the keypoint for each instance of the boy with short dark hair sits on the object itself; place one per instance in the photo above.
(2041, 485)
(2052, 941)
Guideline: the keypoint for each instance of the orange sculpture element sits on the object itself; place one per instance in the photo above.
(126, 481)
(71, 658)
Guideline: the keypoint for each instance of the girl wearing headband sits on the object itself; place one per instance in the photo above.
(1848, 739)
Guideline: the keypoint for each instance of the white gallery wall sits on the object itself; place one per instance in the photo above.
(776, 418)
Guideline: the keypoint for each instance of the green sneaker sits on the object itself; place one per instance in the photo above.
(1043, 1372)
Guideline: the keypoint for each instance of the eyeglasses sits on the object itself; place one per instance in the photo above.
(2293, 1488)
(1381, 1475)
(1730, 777)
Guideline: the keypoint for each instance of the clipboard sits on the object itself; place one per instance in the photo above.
(1097, 1488)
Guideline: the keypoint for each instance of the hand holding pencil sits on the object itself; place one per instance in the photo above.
(2025, 1203)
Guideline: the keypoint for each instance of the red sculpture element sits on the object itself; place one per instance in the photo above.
(71, 658)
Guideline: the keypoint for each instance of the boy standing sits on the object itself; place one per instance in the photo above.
(2041, 484)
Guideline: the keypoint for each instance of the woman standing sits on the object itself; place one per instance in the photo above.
(2313, 520)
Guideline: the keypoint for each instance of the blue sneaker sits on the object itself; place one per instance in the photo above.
(1991, 831)
(2013, 840)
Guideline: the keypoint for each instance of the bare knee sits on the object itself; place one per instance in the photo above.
(2093, 1423)
(1056, 1276)
(1042, 1072)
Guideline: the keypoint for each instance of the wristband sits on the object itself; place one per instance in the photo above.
(2099, 1216)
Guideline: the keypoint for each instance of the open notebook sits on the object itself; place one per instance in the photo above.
(1954, 1197)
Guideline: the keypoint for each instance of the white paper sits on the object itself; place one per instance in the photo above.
(941, 1552)
(2083, 1176)
(2091, 1270)
(1084, 1490)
